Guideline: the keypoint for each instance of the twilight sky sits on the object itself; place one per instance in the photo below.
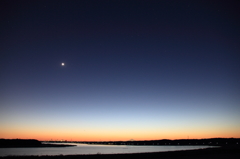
(137, 70)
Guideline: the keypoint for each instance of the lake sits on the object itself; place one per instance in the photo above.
(93, 149)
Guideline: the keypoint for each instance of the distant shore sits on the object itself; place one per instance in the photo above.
(165, 142)
(232, 152)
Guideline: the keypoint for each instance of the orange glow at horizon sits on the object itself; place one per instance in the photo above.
(112, 136)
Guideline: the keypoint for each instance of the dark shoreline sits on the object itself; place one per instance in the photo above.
(230, 152)
(22, 143)
(38, 146)
(163, 142)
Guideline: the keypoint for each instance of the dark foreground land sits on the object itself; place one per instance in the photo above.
(225, 151)
(209, 153)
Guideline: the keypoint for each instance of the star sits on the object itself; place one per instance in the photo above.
(63, 64)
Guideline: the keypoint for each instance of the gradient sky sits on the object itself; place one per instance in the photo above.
(137, 70)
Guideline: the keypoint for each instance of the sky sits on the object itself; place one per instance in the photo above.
(134, 69)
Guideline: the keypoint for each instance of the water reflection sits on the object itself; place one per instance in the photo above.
(92, 149)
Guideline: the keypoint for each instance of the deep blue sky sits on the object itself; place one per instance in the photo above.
(147, 69)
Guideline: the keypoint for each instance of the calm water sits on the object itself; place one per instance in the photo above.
(92, 149)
